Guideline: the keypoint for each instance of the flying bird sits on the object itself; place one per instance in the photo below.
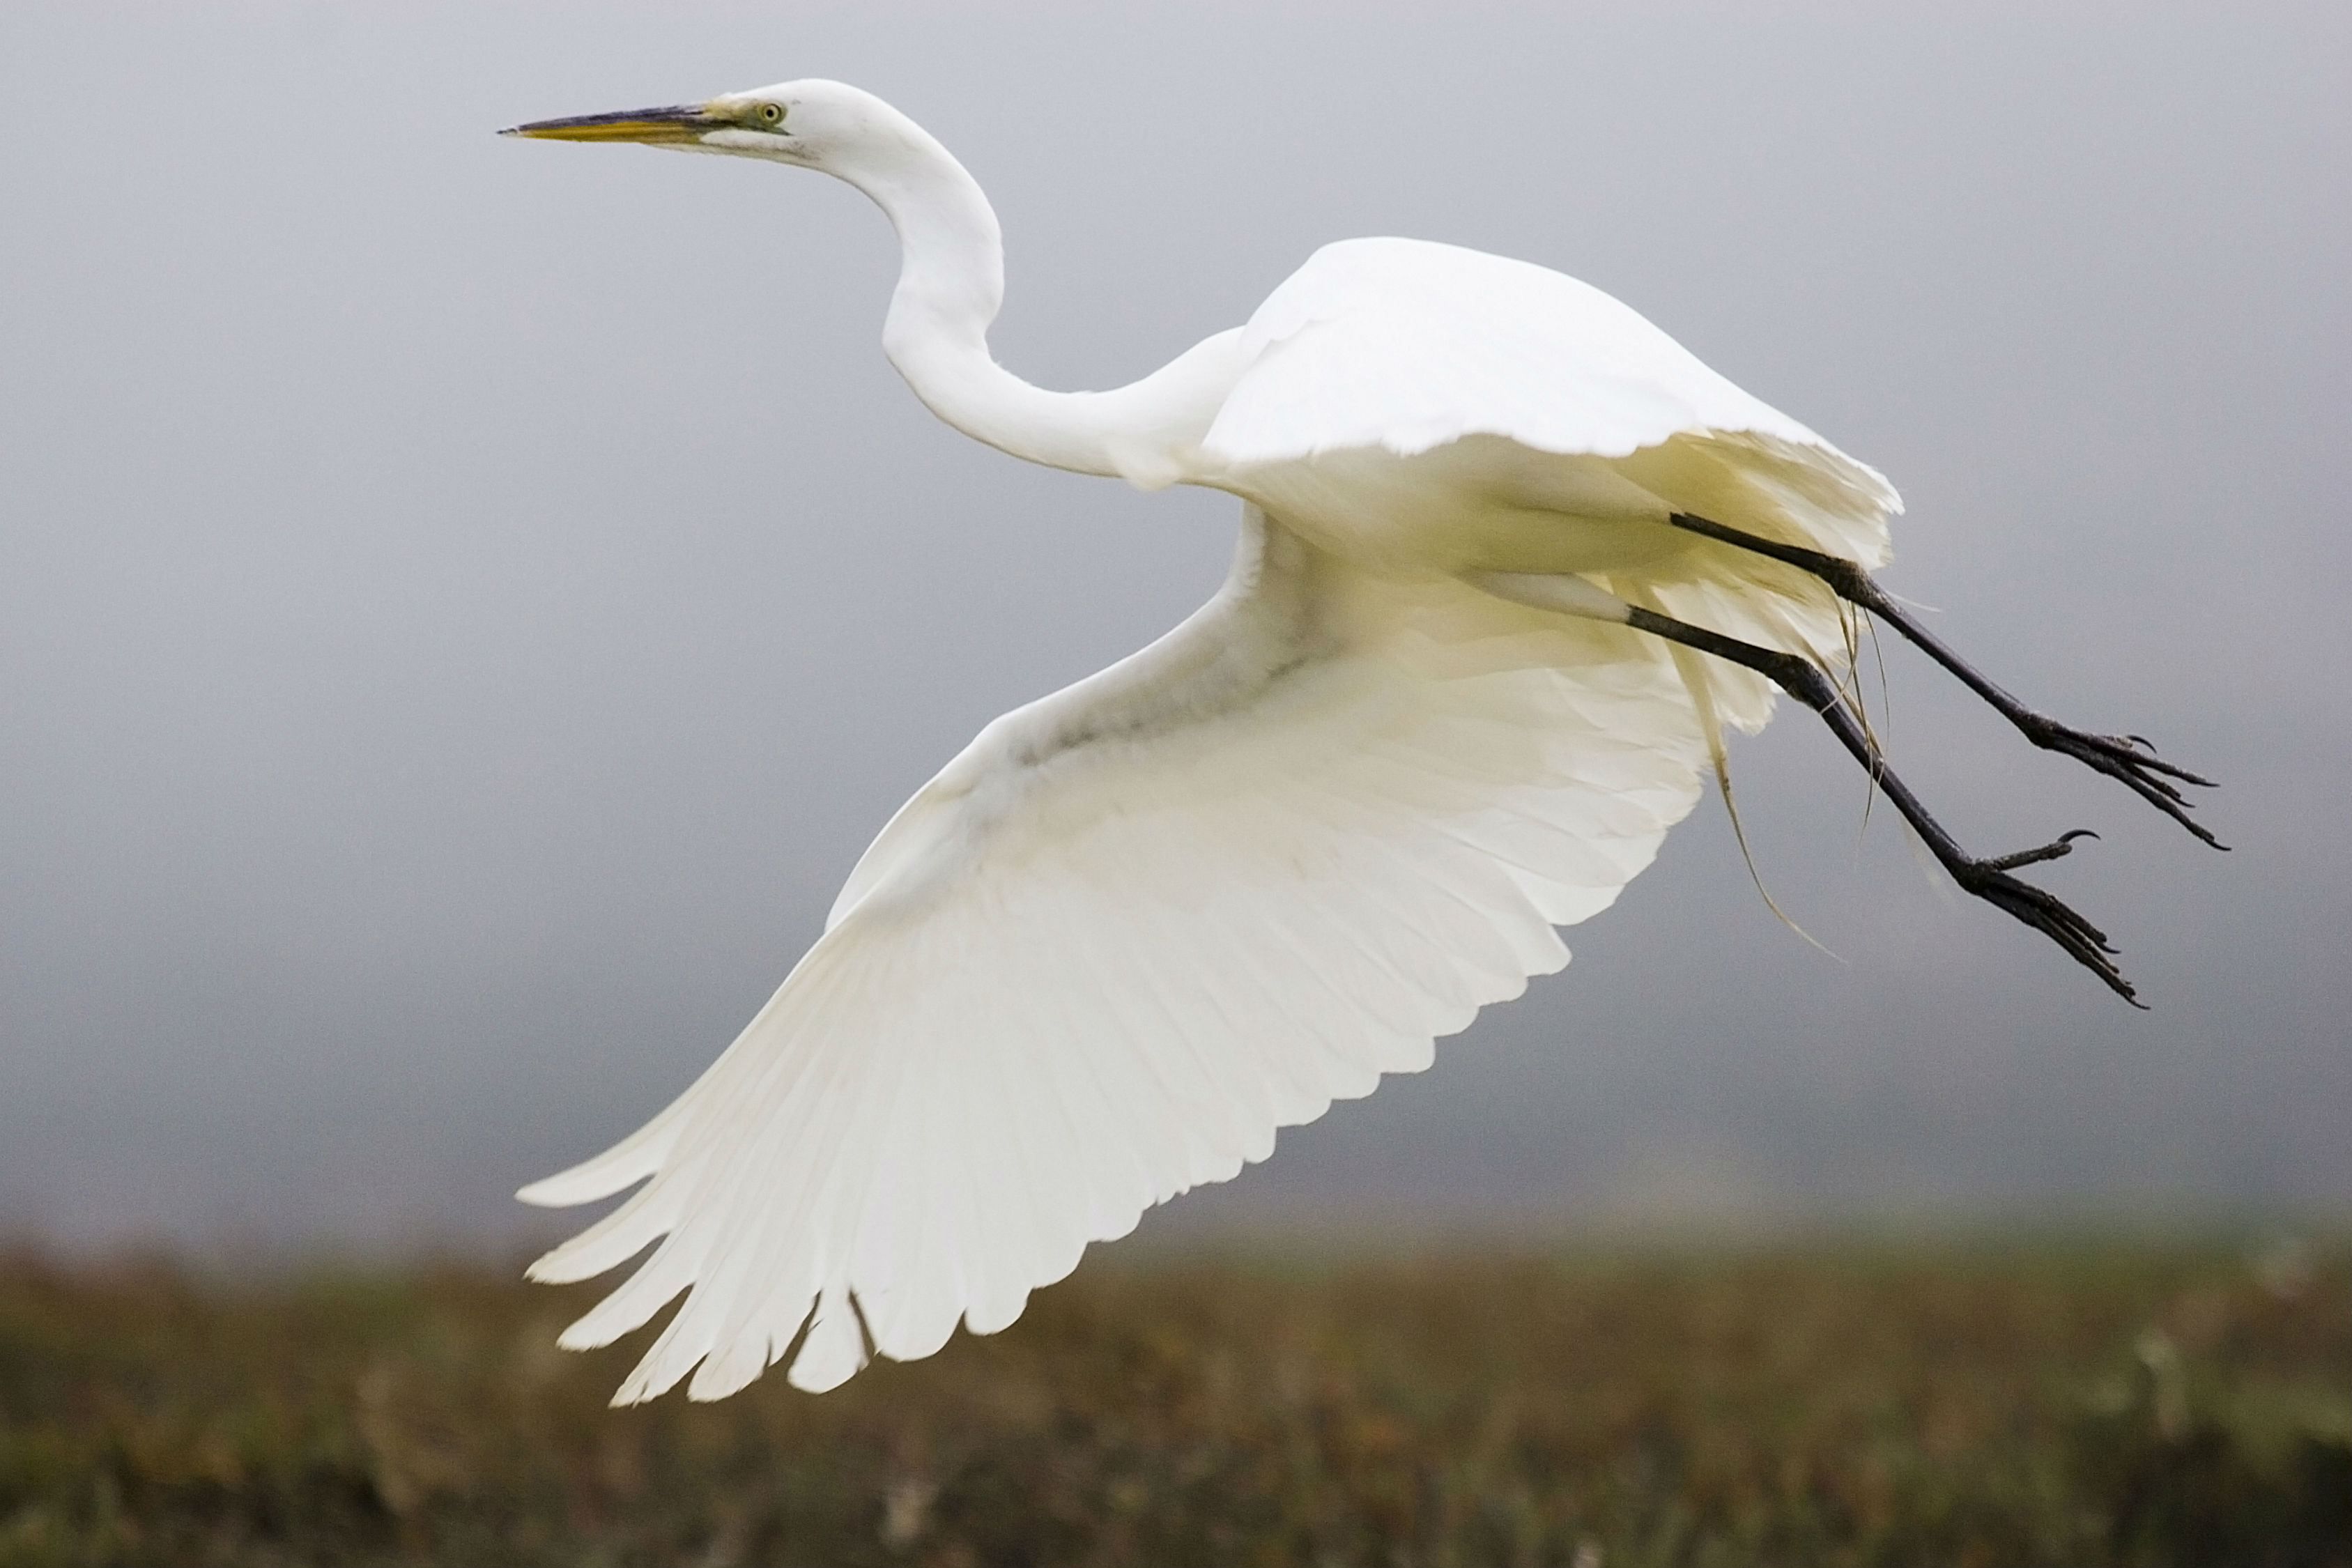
(1510, 561)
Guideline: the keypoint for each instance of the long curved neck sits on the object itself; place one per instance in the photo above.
(950, 286)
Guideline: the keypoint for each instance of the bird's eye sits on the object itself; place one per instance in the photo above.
(771, 114)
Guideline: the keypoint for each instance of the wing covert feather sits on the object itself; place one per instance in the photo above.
(1408, 344)
(1126, 934)
(1401, 347)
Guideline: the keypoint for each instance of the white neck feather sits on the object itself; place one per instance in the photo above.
(950, 287)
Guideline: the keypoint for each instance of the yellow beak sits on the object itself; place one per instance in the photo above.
(683, 122)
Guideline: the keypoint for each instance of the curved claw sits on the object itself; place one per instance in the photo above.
(2063, 844)
(2131, 761)
(1989, 879)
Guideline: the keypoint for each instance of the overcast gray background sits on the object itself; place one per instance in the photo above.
(464, 604)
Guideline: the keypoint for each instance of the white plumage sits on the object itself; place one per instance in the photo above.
(1141, 924)
(1134, 928)
(1404, 345)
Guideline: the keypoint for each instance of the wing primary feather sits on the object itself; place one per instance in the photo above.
(1127, 935)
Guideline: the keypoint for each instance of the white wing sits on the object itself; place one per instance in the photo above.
(1408, 344)
(1379, 354)
(1131, 930)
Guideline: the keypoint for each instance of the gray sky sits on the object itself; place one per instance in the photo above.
(464, 604)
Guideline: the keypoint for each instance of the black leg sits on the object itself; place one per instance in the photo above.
(1989, 879)
(2129, 758)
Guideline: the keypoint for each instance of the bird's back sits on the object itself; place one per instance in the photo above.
(1418, 407)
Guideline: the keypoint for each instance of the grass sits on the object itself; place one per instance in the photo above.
(2104, 1404)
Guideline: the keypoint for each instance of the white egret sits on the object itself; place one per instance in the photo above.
(1509, 556)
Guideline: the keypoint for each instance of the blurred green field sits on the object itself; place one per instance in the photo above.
(2078, 1403)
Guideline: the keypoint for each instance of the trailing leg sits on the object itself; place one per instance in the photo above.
(1987, 879)
(2129, 758)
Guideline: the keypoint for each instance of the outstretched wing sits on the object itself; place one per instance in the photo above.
(1131, 930)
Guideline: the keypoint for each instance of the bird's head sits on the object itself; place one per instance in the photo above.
(816, 124)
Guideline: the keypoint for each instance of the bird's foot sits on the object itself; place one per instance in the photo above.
(2129, 758)
(1989, 879)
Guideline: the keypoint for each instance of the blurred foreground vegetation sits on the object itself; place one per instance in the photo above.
(2106, 1403)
